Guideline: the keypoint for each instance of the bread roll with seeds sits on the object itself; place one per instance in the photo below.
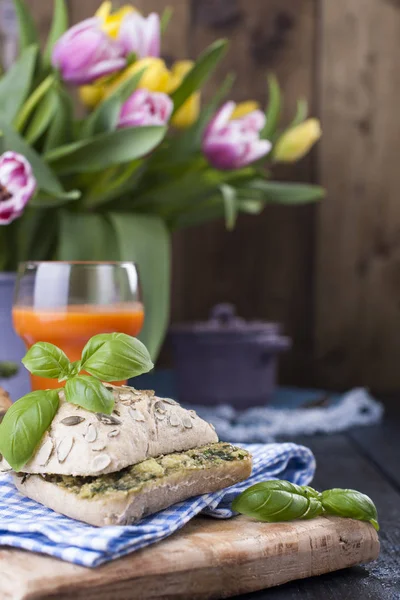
(143, 489)
(82, 443)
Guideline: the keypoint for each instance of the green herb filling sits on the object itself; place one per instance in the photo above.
(133, 478)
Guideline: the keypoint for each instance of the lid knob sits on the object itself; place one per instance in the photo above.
(224, 315)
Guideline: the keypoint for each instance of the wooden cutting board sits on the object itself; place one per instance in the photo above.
(206, 559)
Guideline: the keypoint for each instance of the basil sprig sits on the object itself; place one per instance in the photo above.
(24, 425)
(115, 356)
(46, 360)
(275, 501)
(106, 357)
(350, 503)
(89, 393)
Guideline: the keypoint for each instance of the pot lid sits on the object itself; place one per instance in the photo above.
(224, 320)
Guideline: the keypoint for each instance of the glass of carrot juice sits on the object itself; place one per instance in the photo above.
(66, 303)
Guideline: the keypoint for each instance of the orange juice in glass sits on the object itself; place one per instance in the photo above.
(66, 303)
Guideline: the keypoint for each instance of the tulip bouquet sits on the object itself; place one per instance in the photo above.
(148, 157)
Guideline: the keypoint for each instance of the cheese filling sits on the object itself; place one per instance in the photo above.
(132, 479)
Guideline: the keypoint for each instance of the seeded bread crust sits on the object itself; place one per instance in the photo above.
(124, 507)
(83, 443)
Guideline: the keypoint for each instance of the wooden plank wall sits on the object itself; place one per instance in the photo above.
(264, 265)
(332, 273)
(358, 229)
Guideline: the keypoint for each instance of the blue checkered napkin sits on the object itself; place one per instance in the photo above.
(29, 525)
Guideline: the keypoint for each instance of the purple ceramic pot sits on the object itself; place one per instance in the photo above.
(11, 346)
(227, 360)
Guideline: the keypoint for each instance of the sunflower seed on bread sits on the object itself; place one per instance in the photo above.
(138, 433)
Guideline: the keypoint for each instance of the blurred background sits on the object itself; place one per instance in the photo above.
(329, 272)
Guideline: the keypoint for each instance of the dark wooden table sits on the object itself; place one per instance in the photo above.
(367, 459)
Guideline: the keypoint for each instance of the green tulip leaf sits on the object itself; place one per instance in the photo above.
(199, 73)
(18, 79)
(58, 27)
(104, 150)
(113, 183)
(42, 117)
(45, 199)
(60, 129)
(126, 88)
(189, 141)
(104, 118)
(274, 108)
(145, 240)
(281, 192)
(34, 99)
(251, 207)
(28, 33)
(45, 177)
(301, 113)
(230, 205)
(165, 18)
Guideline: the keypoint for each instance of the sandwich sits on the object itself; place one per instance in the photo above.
(114, 469)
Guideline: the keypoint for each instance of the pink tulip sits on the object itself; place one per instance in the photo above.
(233, 144)
(85, 53)
(145, 108)
(17, 185)
(140, 35)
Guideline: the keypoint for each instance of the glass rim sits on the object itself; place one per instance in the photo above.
(98, 263)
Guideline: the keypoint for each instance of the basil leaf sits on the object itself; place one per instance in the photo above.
(89, 393)
(351, 504)
(24, 425)
(274, 501)
(94, 344)
(115, 357)
(310, 492)
(74, 368)
(46, 360)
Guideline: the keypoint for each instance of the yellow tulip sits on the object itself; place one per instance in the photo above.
(91, 95)
(179, 69)
(297, 141)
(111, 22)
(244, 108)
(155, 78)
(189, 111)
